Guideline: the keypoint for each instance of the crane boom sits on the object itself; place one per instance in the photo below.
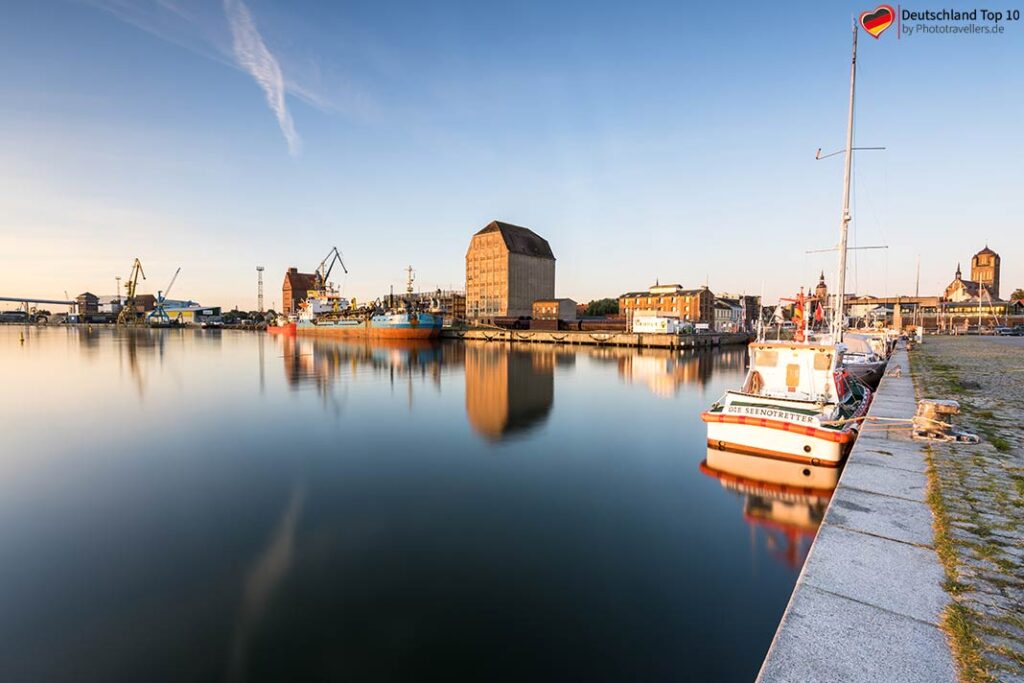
(127, 314)
(327, 265)
(171, 283)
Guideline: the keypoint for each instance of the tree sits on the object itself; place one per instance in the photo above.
(602, 307)
(1017, 294)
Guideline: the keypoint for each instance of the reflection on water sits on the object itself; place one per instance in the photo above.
(266, 573)
(220, 505)
(784, 501)
(508, 390)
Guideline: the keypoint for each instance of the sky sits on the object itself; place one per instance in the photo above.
(644, 141)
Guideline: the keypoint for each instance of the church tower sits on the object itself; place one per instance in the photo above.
(985, 271)
(821, 291)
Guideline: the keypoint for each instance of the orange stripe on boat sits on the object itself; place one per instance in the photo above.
(824, 434)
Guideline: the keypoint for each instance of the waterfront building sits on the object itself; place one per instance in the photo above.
(984, 282)
(750, 309)
(554, 309)
(689, 305)
(109, 303)
(191, 313)
(296, 287)
(87, 303)
(728, 315)
(508, 267)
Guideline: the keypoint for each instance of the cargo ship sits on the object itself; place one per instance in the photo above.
(325, 312)
(408, 324)
(281, 325)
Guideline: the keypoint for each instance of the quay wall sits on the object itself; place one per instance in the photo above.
(660, 341)
(869, 601)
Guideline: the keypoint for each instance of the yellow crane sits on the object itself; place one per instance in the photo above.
(128, 316)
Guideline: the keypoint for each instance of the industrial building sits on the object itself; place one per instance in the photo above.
(508, 267)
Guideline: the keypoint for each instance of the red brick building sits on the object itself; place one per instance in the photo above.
(689, 305)
(296, 288)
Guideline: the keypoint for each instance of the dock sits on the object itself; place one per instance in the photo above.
(869, 601)
(598, 338)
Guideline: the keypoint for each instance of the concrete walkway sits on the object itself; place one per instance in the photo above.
(869, 601)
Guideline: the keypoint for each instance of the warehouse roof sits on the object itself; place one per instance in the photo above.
(520, 240)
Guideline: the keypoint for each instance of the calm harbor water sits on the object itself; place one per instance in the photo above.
(203, 505)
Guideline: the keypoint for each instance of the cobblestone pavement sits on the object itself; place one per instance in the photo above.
(979, 498)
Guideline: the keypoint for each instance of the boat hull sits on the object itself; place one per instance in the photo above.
(779, 443)
(398, 327)
(868, 373)
(782, 431)
(288, 329)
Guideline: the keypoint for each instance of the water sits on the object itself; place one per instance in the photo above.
(204, 505)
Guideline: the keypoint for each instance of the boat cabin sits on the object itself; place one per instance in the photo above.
(803, 372)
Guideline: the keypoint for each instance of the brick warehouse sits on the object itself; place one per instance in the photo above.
(508, 267)
(295, 288)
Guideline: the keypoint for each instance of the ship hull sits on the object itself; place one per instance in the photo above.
(397, 327)
(778, 444)
(288, 329)
(782, 431)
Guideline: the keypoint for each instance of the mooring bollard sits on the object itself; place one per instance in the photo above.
(933, 422)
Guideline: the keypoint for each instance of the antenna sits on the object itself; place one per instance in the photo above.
(259, 288)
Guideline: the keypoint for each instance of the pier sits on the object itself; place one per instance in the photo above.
(598, 338)
(869, 603)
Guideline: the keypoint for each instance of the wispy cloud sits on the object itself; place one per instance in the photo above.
(253, 56)
(200, 26)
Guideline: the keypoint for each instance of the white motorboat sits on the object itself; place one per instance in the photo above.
(798, 403)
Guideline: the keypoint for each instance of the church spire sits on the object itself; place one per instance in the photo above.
(958, 274)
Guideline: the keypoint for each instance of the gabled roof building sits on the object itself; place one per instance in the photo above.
(508, 267)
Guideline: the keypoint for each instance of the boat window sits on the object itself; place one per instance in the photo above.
(766, 359)
(822, 361)
(792, 376)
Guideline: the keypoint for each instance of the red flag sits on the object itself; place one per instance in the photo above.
(818, 315)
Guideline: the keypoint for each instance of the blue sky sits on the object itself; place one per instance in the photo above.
(643, 141)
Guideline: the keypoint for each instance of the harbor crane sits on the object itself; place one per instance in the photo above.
(323, 271)
(158, 316)
(127, 315)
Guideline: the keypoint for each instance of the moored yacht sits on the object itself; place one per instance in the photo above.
(862, 361)
(798, 403)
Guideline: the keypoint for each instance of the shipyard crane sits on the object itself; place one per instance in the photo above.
(127, 315)
(158, 316)
(323, 271)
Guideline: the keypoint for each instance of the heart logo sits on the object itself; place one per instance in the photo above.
(877, 20)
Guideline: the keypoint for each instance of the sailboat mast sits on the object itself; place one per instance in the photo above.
(844, 223)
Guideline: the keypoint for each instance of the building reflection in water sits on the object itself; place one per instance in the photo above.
(665, 371)
(509, 389)
(321, 362)
(783, 502)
